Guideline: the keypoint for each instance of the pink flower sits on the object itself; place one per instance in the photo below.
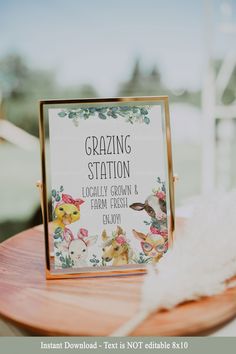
(83, 232)
(161, 195)
(163, 233)
(120, 239)
(154, 230)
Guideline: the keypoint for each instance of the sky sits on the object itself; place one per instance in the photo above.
(97, 41)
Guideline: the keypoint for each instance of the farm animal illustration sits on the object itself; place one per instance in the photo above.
(153, 245)
(67, 211)
(76, 248)
(155, 207)
(116, 248)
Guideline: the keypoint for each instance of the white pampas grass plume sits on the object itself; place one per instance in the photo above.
(203, 257)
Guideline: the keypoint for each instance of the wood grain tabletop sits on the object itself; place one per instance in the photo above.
(89, 306)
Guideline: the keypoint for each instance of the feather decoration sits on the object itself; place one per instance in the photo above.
(202, 259)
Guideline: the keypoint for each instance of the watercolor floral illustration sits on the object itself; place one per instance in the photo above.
(156, 225)
(131, 114)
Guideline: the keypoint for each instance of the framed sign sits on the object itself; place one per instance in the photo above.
(107, 171)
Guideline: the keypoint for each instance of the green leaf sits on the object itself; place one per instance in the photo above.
(124, 108)
(58, 254)
(102, 116)
(58, 230)
(146, 120)
(68, 262)
(56, 236)
(54, 193)
(61, 188)
(143, 111)
(72, 115)
(58, 198)
(62, 114)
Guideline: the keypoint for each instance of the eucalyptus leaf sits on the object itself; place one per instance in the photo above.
(58, 230)
(54, 193)
(146, 120)
(143, 111)
(102, 116)
(62, 114)
(124, 108)
(58, 198)
(72, 115)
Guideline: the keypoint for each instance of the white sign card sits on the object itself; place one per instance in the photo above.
(109, 170)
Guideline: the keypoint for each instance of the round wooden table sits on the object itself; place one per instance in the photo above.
(92, 306)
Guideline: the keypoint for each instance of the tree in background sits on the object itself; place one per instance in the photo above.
(22, 87)
(150, 83)
(141, 83)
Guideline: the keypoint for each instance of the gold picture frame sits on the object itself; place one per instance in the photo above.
(44, 107)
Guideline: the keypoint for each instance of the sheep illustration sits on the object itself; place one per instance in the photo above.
(76, 248)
